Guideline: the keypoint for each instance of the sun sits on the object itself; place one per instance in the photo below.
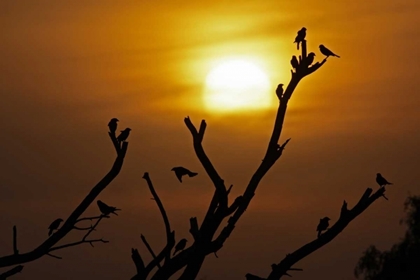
(237, 84)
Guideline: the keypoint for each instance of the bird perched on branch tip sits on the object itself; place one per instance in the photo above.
(300, 36)
(294, 62)
(382, 182)
(113, 125)
(279, 91)
(54, 226)
(180, 246)
(105, 209)
(310, 59)
(323, 225)
(181, 171)
(124, 135)
(326, 51)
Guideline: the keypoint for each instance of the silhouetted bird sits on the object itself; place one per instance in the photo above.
(124, 134)
(310, 58)
(323, 225)
(180, 246)
(279, 91)
(294, 62)
(326, 51)
(54, 226)
(113, 125)
(181, 171)
(105, 209)
(300, 36)
(382, 182)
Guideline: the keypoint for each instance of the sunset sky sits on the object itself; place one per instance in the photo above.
(68, 67)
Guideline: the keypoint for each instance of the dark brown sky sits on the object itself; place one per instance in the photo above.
(66, 68)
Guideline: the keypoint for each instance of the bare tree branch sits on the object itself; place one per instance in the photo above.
(149, 249)
(11, 272)
(162, 211)
(48, 245)
(194, 228)
(346, 216)
(138, 261)
(208, 166)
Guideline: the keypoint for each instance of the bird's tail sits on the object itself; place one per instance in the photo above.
(298, 45)
(192, 174)
(337, 56)
(174, 253)
(319, 233)
(50, 232)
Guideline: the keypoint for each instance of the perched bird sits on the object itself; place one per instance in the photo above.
(326, 51)
(105, 209)
(113, 125)
(323, 225)
(124, 135)
(382, 182)
(294, 62)
(279, 91)
(181, 171)
(180, 245)
(300, 36)
(54, 226)
(310, 58)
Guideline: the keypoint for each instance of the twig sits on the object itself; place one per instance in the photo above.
(54, 256)
(93, 227)
(92, 218)
(150, 249)
(82, 228)
(162, 211)
(90, 241)
(15, 250)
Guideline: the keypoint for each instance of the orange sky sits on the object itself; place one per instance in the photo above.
(66, 68)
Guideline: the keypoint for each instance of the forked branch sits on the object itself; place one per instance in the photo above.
(48, 245)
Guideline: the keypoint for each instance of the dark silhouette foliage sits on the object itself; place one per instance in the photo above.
(402, 261)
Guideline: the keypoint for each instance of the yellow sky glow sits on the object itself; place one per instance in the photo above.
(237, 84)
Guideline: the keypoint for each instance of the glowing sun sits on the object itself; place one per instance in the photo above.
(237, 85)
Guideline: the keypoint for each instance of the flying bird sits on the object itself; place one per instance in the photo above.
(181, 171)
(124, 135)
(113, 125)
(105, 209)
(279, 91)
(300, 36)
(310, 58)
(294, 62)
(54, 226)
(326, 51)
(382, 182)
(180, 245)
(323, 225)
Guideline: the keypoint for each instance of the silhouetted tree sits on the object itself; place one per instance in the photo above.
(71, 223)
(402, 261)
(205, 240)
